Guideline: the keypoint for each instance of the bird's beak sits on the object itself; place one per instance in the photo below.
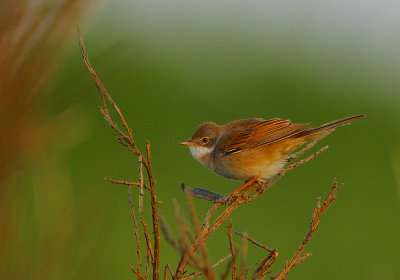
(187, 143)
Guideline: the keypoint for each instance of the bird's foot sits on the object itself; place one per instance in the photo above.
(236, 193)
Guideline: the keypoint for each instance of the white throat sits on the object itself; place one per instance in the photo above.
(202, 154)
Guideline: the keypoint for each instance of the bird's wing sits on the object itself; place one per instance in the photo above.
(251, 133)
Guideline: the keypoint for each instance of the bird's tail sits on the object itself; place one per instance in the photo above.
(313, 132)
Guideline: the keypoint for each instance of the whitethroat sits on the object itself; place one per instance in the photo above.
(252, 148)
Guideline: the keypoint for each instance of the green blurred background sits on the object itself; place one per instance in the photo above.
(171, 65)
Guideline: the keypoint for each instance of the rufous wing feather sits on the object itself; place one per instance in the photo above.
(251, 133)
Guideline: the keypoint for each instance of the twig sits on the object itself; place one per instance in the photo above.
(168, 233)
(206, 269)
(251, 240)
(265, 264)
(198, 274)
(103, 93)
(140, 276)
(148, 263)
(225, 274)
(141, 184)
(300, 162)
(139, 261)
(243, 255)
(229, 227)
(148, 242)
(126, 183)
(316, 217)
(154, 211)
(310, 145)
(183, 242)
(166, 270)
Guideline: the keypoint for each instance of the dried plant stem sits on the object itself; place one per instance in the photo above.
(198, 274)
(251, 240)
(137, 238)
(154, 211)
(243, 256)
(206, 268)
(140, 276)
(168, 234)
(126, 140)
(310, 145)
(141, 184)
(316, 217)
(148, 241)
(126, 183)
(167, 270)
(265, 264)
(231, 248)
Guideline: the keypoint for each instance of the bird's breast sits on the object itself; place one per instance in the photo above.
(263, 162)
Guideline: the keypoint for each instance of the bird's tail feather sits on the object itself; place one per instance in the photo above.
(313, 132)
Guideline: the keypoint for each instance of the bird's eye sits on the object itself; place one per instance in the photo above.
(204, 140)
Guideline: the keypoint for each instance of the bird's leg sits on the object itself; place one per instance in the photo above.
(235, 193)
(260, 185)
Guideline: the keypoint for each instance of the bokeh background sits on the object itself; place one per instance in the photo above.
(172, 65)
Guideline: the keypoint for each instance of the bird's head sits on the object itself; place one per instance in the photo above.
(203, 141)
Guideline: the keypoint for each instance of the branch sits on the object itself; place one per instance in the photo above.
(229, 227)
(251, 240)
(126, 183)
(168, 233)
(154, 211)
(140, 276)
(126, 139)
(139, 261)
(198, 274)
(265, 264)
(149, 248)
(316, 217)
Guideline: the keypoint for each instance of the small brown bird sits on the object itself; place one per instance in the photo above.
(252, 148)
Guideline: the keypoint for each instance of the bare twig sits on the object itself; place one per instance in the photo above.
(206, 269)
(183, 242)
(168, 233)
(198, 274)
(231, 248)
(139, 261)
(140, 276)
(228, 267)
(300, 162)
(316, 217)
(167, 270)
(126, 183)
(103, 95)
(310, 145)
(243, 255)
(141, 184)
(154, 211)
(147, 238)
(265, 264)
(251, 240)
